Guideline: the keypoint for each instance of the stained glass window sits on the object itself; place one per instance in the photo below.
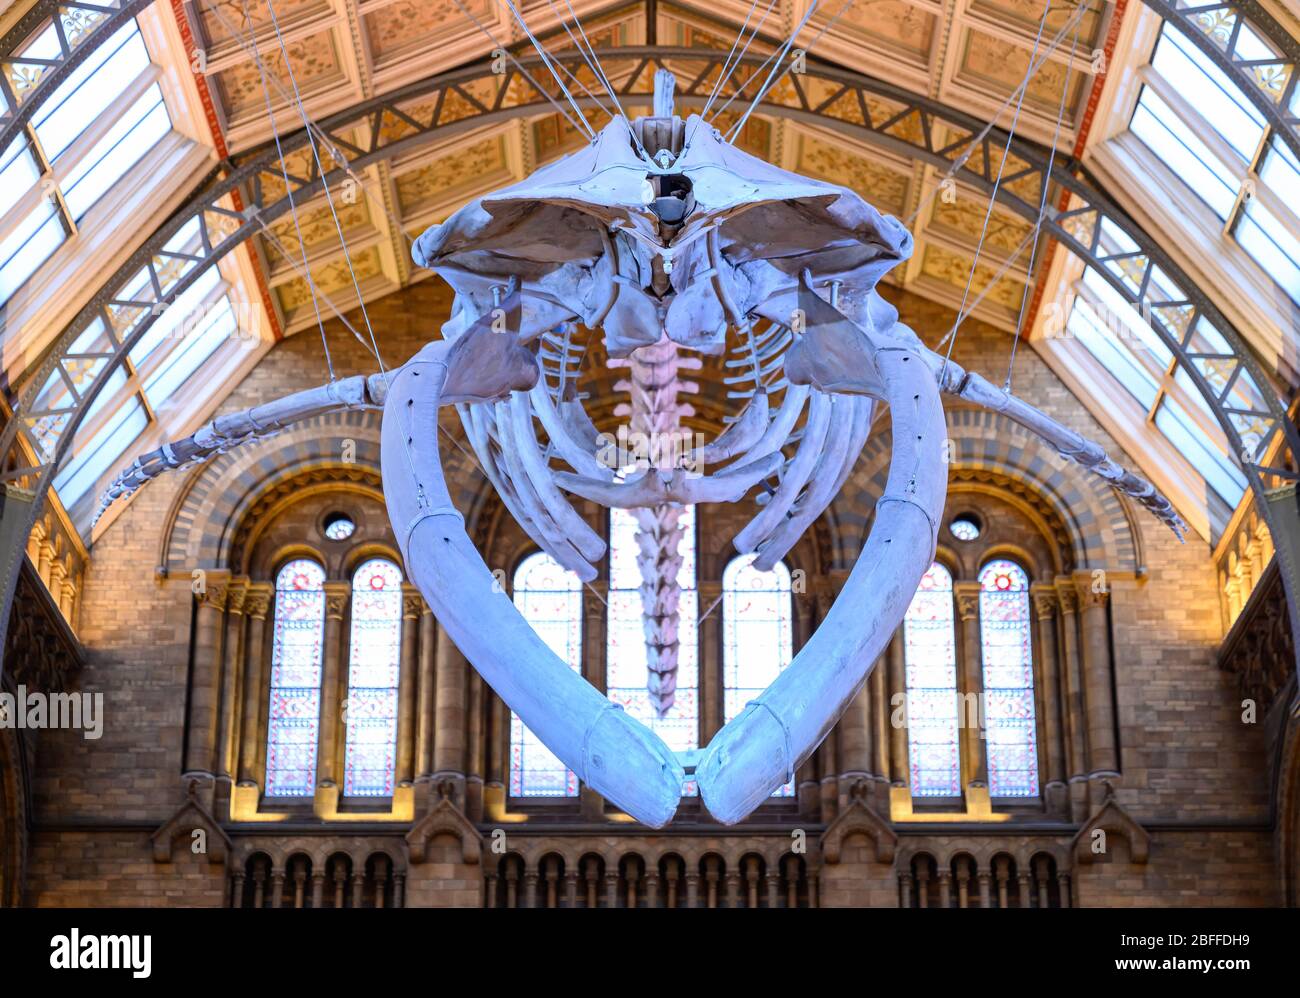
(550, 599)
(293, 718)
(1010, 738)
(964, 529)
(757, 634)
(626, 671)
(339, 527)
(930, 662)
(370, 758)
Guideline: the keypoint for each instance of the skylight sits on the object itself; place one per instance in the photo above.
(1124, 343)
(85, 138)
(1201, 125)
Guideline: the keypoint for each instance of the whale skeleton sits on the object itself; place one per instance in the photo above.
(681, 244)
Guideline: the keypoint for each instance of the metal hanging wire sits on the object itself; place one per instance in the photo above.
(727, 67)
(320, 169)
(1042, 204)
(997, 184)
(772, 73)
(293, 207)
(547, 61)
(807, 48)
(527, 75)
(975, 140)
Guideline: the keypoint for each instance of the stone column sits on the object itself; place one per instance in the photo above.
(449, 728)
(828, 754)
(611, 889)
(855, 743)
(228, 715)
(652, 888)
(880, 730)
(828, 773)
(498, 751)
(209, 646)
(1098, 683)
(406, 689)
(257, 604)
(898, 769)
(1052, 748)
(970, 718)
(329, 771)
(592, 805)
(807, 787)
(732, 896)
(425, 705)
(1072, 700)
(475, 755)
(710, 641)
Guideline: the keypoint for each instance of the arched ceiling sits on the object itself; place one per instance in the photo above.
(970, 54)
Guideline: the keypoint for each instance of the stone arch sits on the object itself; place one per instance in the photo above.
(217, 498)
(1098, 527)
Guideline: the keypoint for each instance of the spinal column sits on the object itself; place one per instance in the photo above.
(655, 417)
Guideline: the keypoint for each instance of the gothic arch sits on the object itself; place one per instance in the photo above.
(207, 526)
(1099, 531)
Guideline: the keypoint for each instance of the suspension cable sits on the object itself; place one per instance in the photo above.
(997, 183)
(293, 207)
(1042, 205)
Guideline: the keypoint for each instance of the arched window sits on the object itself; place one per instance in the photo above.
(626, 673)
(375, 650)
(930, 657)
(1010, 739)
(293, 717)
(550, 599)
(758, 640)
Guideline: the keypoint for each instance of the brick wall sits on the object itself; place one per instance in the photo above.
(1185, 756)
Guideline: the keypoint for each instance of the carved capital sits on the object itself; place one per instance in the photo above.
(214, 596)
(967, 595)
(1045, 602)
(412, 602)
(236, 595)
(1092, 592)
(336, 599)
(1068, 596)
(257, 600)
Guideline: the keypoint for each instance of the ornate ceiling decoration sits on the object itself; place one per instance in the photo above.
(971, 54)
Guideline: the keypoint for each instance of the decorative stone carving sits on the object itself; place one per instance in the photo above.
(190, 818)
(40, 649)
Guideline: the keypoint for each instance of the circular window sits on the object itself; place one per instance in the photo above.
(964, 528)
(339, 527)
